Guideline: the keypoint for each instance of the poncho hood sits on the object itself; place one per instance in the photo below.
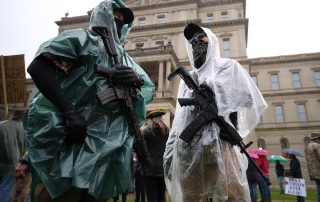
(102, 15)
(233, 87)
(213, 48)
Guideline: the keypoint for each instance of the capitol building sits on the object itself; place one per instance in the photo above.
(289, 83)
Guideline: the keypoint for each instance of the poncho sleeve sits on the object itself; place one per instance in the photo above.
(235, 91)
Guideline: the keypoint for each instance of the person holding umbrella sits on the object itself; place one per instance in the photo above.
(279, 169)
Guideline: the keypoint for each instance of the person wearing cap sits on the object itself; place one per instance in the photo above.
(11, 150)
(313, 159)
(156, 135)
(79, 148)
(211, 167)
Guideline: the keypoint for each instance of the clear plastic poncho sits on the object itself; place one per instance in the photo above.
(209, 167)
(102, 163)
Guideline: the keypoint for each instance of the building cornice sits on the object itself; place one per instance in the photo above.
(289, 92)
(184, 23)
(285, 59)
(73, 20)
(163, 25)
(153, 51)
(220, 2)
(161, 5)
(185, 2)
(285, 127)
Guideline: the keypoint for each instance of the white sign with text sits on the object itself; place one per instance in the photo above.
(295, 186)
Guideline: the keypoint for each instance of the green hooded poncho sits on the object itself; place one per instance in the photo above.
(102, 163)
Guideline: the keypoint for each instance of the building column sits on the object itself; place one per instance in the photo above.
(166, 118)
(160, 76)
(168, 71)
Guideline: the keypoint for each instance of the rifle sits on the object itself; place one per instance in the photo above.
(204, 100)
(125, 95)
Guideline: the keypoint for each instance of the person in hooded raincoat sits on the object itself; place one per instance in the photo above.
(79, 149)
(210, 167)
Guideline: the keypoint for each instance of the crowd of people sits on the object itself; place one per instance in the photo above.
(81, 140)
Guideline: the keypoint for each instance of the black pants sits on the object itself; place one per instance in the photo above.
(123, 197)
(139, 188)
(155, 189)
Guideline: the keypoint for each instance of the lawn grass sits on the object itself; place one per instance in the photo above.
(275, 196)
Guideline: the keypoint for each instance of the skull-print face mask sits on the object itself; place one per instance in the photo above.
(199, 49)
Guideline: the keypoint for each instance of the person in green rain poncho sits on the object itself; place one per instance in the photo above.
(80, 149)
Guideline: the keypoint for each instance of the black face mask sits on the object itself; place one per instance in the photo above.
(199, 51)
(119, 24)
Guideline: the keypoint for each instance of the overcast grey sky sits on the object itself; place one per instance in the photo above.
(276, 27)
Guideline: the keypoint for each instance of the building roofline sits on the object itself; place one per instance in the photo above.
(184, 2)
(285, 58)
(184, 23)
(72, 20)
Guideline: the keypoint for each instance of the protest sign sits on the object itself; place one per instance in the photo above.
(295, 186)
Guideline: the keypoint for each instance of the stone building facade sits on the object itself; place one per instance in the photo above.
(289, 83)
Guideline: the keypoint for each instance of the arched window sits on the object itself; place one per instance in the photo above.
(261, 143)
(284, 142)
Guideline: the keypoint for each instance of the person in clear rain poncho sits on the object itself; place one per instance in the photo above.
(210, 168)
(79, 149)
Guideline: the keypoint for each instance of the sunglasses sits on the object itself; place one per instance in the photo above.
(197, 38)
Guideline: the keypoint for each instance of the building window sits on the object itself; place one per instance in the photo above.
(226, 47)
(254, 79)
(224, 15)
(274, 82)
(278, 109)
(261, 143)
(302, 114)
(317, 78)
(139, 46)
(284, 143)
(161, 18)
(142, 21)
(159, 43)
(210, 17)
(296, 82)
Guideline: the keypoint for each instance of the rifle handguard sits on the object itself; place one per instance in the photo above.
(186, 101)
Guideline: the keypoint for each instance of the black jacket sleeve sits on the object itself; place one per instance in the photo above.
(42, 72)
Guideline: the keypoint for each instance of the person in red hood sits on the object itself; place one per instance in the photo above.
(263, 164)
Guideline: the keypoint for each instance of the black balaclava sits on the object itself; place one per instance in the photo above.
(199, 49)
(119, 24)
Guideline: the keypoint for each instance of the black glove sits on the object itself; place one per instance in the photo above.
(76, 127)
(125, 75)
